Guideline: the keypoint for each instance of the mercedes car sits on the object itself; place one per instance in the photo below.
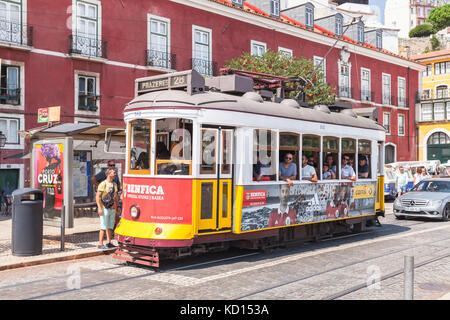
(429, 198)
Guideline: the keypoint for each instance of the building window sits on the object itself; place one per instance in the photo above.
(10, 88)
(387, 122)
(87, 38)
(427, 71)
(439, 111)
(11, 28)
(202, 51)
(344, 81)
(320, 65)
(275, 8)
(239, 3)
(401, 92)
(159, 52)
(426, 112)
(339, 26)
(360, 33)
(426, 94)
(87, 93)
(258, 48)
(365, 85)
(386, 88)
(10, 128)
(401, 125)
(441, 92)
(439, 138)
(309, 17)
(286, 52)
(379, 40)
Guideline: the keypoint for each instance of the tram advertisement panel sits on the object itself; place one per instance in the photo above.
(49, 175)
(281, 205)
(159, 200)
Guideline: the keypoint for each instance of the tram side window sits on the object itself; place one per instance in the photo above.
(174, 147)
(348, 159)
(140, 145)
(208, 151)
(289, 157)
(364, 152)
(264, 155)
(330, 156)
(310, 157)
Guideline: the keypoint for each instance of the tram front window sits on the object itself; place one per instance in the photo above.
(140, 145)
(173, 154)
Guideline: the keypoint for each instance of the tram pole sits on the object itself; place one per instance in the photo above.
(409, 278)
(63, 226)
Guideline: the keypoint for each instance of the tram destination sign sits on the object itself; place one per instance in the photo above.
(191, 80)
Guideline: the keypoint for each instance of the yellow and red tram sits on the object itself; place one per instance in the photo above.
(203, 169)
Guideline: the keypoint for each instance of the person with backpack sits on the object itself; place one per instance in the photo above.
(107, 201)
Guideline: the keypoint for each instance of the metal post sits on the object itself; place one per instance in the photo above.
(409, 278)
(63, 226)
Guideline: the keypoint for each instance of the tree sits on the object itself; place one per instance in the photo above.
(278, 63)
(422, 30)
(435, 44)
(439, 17)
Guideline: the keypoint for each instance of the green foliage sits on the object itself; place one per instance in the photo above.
(439, 17)
(277, 63)
(427, 49)
(435, 44)
(422, 30)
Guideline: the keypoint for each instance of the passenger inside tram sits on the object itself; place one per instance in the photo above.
(257, 169)
(308, 171)
(288, 169)
(327, 172)
(363, 168)
(347, 171)
(161, 151)
(143, 161)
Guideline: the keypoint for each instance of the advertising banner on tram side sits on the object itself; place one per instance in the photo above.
(159, 200)
(281, 205)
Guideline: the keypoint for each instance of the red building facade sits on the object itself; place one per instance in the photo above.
(84, 56)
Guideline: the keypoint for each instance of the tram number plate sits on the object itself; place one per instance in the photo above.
(413, 209)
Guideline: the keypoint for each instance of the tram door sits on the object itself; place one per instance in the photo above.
(214, 187)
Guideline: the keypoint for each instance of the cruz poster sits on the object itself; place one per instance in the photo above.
(49, 176)
(281, 205)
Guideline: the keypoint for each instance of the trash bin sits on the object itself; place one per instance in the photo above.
(27, 222)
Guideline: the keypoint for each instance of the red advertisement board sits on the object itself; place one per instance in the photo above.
(49, 176)
(159, 200)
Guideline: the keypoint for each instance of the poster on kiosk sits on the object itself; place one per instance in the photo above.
(52, 173)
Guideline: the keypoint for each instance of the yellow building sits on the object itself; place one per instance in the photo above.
(433, 114)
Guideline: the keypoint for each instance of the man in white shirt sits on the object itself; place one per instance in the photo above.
(308, 172)
(347, 171)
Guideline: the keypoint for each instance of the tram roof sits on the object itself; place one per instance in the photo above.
(250, 103)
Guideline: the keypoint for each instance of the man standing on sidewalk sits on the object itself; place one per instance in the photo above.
(107, 201)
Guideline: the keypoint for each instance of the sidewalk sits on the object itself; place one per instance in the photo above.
(80, 242)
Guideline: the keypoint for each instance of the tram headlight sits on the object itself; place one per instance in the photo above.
(134, 212)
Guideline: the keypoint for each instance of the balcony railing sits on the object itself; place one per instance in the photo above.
(88, 102)
(86, 46)
(161, 59)
(367, 95)
(387, 99)
(16, 33)
(204, 67)
(402, 102)
(345, 92)
(10, 96)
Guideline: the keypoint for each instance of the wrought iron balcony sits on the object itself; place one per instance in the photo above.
(161, 59)
(367, 95)
(345, 92)
(402, 102)
(87, 46)
(205, 67)
(16, 33)
(387, 99)
(10, 96)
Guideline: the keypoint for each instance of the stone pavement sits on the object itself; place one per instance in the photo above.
(80, 242)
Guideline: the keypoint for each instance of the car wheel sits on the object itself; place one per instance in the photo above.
(446, 212)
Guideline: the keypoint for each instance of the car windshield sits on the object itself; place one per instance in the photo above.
(432, 186)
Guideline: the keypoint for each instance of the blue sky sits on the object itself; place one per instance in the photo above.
(380, 4)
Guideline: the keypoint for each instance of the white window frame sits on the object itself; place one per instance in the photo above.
(369, 84)
(286, 51)
(349, 66)
(23, 22)
(21, 122)
(390, 128)
(205, 30)
(275, 8)
(398, 125)
(99, 19)
(317, 61)
(257, 44)
(21, 66)
(446, 95)
(383, 76)
(399, 80)
(309, 17)
(77, 74)
(151, 17)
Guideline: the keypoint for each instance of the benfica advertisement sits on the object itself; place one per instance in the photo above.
(282, 205)
(159, 200)
(49, 175)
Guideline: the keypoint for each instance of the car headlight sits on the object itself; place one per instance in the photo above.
(397, 202)
(435, 203)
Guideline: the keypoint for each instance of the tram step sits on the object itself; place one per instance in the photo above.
(140, 256)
